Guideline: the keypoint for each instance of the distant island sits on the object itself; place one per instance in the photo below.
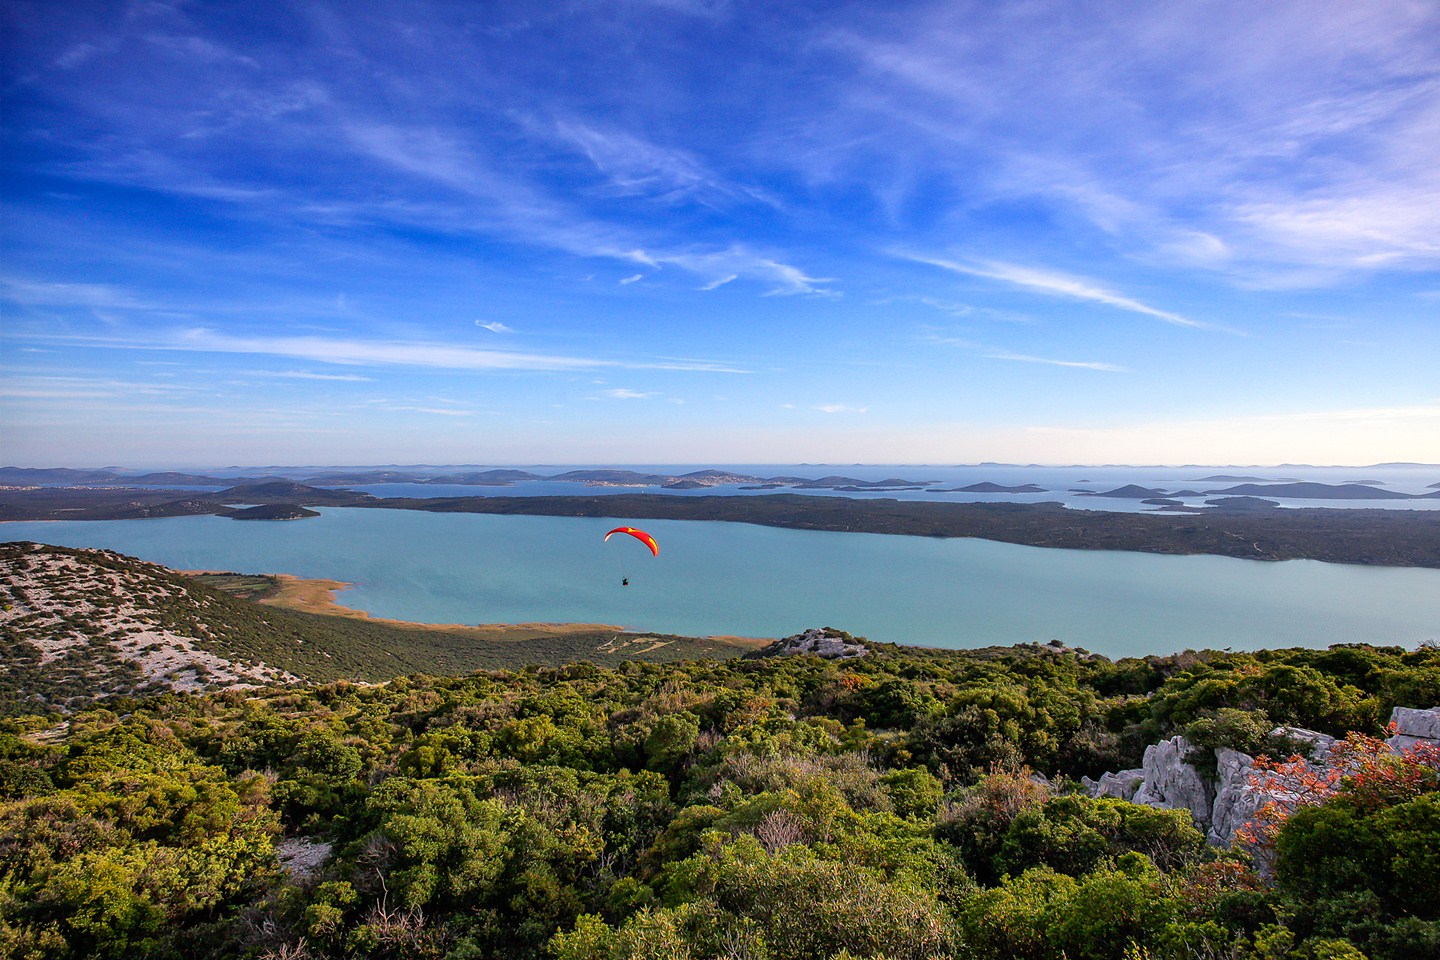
(1243, 503)
(273, 511)
(1381, 537)
(1318, 491)
(988, 487)
(21, 476)
(1360, 490)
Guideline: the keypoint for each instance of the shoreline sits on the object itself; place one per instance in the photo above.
(1363, 536)
(318, 596)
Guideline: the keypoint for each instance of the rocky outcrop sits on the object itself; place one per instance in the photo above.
(1121, 786)
(819, 642)
(1309, 744)
(1171, 783)
(1414, 726)
(1236, 801)
(1222, 804)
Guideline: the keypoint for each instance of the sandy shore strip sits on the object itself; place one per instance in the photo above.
(318, 596)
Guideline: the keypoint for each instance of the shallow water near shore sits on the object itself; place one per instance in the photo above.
(746, 580)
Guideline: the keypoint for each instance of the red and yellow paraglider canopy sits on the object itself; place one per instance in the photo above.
(640, 535)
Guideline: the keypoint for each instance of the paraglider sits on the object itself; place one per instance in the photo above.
(640, 535)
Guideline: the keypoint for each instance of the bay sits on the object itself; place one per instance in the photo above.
(741, 579)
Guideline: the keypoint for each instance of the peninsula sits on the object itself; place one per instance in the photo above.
(1379, 537)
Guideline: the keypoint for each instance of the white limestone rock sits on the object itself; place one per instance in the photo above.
(1314, 746)
(830, 644)
(1171, 783)
(1419, 724)
(1236, 801)
(1122, 785)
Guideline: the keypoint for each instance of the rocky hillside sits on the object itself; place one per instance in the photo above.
(79, 625)
(825, 642)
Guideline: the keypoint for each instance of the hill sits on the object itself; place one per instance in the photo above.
(273, 511)
(82, 625)
(902, 804)
(77, 626)
(288, 491)
(1313, 491)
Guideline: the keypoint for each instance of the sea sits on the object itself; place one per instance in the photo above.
(1077, 487)
(738, 579)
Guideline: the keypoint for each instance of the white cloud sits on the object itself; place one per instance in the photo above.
(1081, 364)
(494, 327)
(634, 278)
(97, 296)
(996, 353)
(377, 352)
(723, 266)
(620, 393)
(1297, 163)
(1057, 284)
(433, 411)
(58, 387)
(839, 408)
(632, 165)
(381, 353)
(307, 375)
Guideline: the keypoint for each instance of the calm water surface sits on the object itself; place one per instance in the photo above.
(1067, 485)
(725, 578)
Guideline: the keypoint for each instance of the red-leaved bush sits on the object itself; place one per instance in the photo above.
(1365, 769)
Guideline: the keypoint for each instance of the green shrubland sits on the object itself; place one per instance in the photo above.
(774, 808)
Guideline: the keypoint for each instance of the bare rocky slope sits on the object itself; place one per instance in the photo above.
(79, 625)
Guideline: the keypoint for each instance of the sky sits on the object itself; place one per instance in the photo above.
(719, 231)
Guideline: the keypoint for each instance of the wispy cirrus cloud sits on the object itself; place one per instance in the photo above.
(724, 266)
(381, 353)
(1297, 168)
(309, 375)
(1078, 364)
(839, 408)
(521, 210)
(96, 296)
(634, 166)
(494, 326)
(75, 387)
(994, 353)
(431, 411)
(1057, 284)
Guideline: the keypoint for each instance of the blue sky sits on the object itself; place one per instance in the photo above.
(682, 231)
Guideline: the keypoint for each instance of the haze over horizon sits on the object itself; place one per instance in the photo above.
(717, 232)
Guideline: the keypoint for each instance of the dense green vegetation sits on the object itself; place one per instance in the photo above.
(778, 808)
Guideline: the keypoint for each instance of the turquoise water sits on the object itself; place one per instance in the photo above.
(725, 578)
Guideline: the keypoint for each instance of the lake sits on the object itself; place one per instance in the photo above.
(746, 580)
